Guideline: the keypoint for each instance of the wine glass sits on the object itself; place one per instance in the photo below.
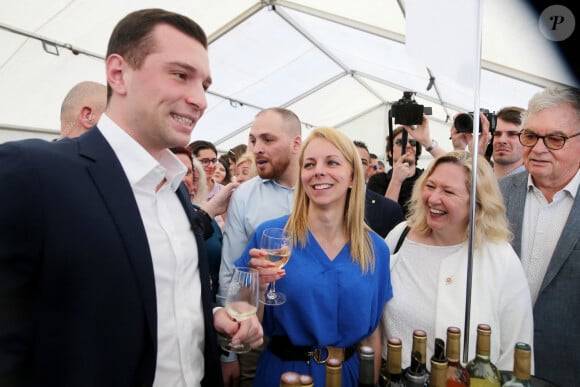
(242, 301)
(276, 243)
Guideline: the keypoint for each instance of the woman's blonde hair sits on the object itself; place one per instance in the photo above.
(490, 213)
(361, 247)
(247, 157)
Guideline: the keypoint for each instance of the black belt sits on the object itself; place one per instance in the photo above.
(282, 347)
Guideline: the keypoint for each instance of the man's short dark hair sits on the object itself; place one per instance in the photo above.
(391, 145)
(199, 145)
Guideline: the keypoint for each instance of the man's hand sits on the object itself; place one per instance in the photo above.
(464, 140)
(219, 203)
(421, 133)
(248, 331)
(402, 170)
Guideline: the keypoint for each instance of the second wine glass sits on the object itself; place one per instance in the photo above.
(276, 243)
(242, 301)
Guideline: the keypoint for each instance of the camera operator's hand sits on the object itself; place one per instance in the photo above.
(465, 139)
(460, 141)
(421, 132)
(485, 137)
(402, 170)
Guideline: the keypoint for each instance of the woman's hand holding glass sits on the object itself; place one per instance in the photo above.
(269, 271)
(269, 260)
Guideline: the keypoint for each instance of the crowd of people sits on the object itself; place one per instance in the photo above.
(119, 240)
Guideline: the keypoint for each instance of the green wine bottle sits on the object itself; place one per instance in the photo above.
(366, 371)
(522, 364)
(416, 374)
(482, 372)
(391, 374)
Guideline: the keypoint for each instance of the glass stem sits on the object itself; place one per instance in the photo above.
(272, 292)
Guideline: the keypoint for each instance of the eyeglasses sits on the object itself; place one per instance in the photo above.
(399, 142)
(205, 161)
(551, 141)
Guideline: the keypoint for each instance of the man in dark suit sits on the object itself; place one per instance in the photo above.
(543, 208)
(381, 214)
(103, 272)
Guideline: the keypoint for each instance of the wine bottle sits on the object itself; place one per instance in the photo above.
(482, 372)
(391, 374)
(366, 371)
(290, 379)
(333, 372)
(438, 377)
(522, 364)
(457, 375)
(416, 374)
(306, 381)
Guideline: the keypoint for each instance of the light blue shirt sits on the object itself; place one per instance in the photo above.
(252, 203)
(519, 169)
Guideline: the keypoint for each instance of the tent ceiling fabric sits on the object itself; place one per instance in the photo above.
(334, 62)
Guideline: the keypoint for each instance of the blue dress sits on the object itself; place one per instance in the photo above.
(328, 303)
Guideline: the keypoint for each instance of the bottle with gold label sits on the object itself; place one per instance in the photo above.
(522, 364)
(333, 372)
(438, 376)
(457, 375)
(482, 372)
(391, 374)
(416, 374)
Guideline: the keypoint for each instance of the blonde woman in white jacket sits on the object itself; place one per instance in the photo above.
(429, 270)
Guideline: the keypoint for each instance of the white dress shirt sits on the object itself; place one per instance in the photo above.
(180, 326)
(541, 229)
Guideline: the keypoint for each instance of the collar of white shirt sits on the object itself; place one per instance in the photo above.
(137, 163)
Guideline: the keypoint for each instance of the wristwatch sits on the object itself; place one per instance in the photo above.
(432, 146)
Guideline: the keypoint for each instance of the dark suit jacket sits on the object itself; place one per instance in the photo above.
(557, 309)
(381, 213)
(77, 288)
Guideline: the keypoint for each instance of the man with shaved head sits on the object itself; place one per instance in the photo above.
(81, 108)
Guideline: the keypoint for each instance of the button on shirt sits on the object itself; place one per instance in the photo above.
(542, 226)
(180, 326)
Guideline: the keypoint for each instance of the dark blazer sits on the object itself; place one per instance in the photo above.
(77, 288)
(557, 309)
(381, 213)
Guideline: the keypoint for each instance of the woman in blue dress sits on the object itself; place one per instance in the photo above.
(337, 280)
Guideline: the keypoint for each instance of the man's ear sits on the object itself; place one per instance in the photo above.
(87, 117)
(115, 68)
(296, 143)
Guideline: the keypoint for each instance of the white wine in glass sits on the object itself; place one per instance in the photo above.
(276, 243)
(242, 301)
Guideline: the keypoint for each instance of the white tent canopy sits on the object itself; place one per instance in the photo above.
(335, 63)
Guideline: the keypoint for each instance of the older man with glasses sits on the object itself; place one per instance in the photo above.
(543, 208)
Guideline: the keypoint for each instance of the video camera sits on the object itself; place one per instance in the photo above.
(407, 111)
(464, 122)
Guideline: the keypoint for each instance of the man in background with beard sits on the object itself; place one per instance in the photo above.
(275, 139)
